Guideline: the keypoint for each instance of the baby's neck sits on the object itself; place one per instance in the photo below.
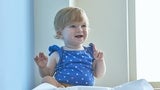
(73, 48)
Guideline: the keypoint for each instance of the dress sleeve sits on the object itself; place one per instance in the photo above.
(54, 48)
(90, 50)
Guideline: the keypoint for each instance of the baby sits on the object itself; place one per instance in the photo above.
(72, 64)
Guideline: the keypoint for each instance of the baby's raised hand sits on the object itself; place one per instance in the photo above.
(98, 55)
(41, 60)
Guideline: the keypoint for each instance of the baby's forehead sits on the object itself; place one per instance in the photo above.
(78, 22)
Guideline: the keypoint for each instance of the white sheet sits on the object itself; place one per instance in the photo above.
(46, 86)
(134, 85)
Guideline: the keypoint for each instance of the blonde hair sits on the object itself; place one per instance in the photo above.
(67, 16)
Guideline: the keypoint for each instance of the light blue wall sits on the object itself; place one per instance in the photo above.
(16, 44)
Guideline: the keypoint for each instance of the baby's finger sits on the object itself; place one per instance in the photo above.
(100, 55)
(41, 54)
(94, 48)
(95, 53)
(36, 58)
(45, 57)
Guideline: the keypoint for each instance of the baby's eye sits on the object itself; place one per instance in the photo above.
(73, 26)
(84, 26)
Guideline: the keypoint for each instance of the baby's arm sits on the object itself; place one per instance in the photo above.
(99, 65)
(46, 67)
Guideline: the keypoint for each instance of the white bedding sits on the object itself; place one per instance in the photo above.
(134, 85)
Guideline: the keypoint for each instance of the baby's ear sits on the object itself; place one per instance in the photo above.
(59, 35)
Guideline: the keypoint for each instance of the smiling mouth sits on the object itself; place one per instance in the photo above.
(79, 36)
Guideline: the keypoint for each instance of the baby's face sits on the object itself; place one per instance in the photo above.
(75, 33)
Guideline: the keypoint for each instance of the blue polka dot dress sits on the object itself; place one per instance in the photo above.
(74, 67)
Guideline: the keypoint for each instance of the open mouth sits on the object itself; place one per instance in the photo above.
(79, 36)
